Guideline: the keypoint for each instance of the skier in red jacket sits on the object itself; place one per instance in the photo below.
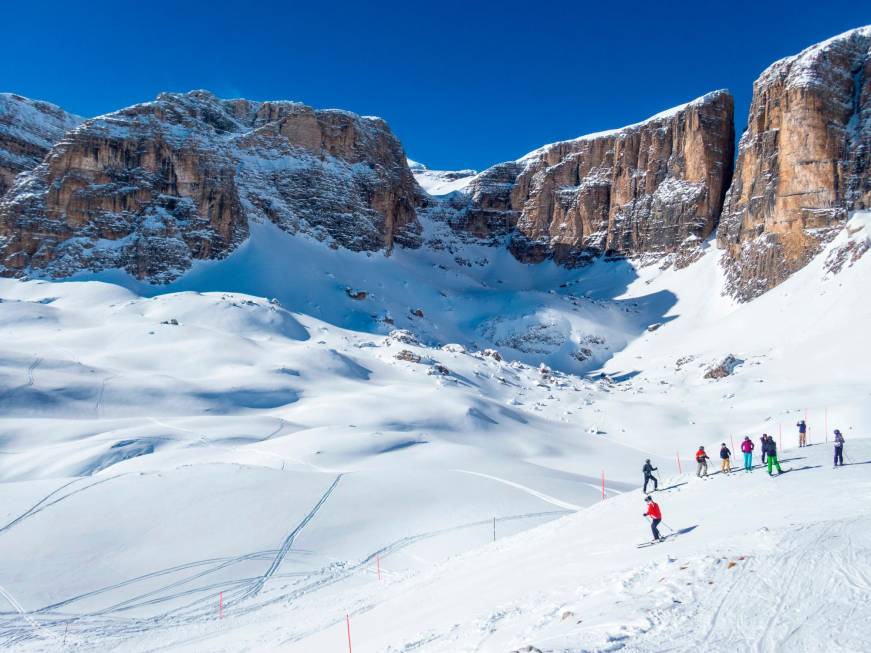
(702, 459)
(655, 515)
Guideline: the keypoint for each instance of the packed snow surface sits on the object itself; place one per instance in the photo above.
(296, 440)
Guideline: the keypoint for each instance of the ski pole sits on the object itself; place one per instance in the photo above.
(668, 527)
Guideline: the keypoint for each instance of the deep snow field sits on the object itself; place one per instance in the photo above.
(237, 461)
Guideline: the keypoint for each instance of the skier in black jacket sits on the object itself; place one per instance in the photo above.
(771, 453)
(648, 470)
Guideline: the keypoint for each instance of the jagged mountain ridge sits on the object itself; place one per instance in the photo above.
(647, 190)
(153, 187)
(28, 130)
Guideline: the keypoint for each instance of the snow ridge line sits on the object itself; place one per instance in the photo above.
(288, 542)
(539, 495)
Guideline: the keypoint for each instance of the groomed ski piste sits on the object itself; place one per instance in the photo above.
(240, 461)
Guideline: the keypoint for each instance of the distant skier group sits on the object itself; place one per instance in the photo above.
(768, 451)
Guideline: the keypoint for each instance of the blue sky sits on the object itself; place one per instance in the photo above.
(463, 84)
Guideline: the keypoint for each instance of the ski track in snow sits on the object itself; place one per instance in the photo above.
(30, 378)
(37, 628)
(42, 505)
(535, 493)
(87, 625)
(288, 542)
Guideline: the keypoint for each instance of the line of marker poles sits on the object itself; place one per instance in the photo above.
(679, 469)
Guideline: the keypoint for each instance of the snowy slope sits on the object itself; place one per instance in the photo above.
(790, 574)
(441, 182)
(161, 450)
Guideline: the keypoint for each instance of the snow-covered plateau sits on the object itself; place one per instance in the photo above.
(298, 445)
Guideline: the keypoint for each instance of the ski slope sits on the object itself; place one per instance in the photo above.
(759, 564)
(268, 447)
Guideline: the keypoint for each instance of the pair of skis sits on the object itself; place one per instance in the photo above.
(664, 538)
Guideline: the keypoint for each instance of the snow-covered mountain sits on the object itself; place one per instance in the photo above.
(151, 188)
(441, 182)
(28, 130)
(295, 437)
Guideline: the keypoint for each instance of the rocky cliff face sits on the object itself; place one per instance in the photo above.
(647, 190)
(157, 185)
(28, 130)
(803, 163)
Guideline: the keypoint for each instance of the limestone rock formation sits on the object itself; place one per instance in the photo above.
(647, 190)
(28, 130)
(152, 187)
(803, 163)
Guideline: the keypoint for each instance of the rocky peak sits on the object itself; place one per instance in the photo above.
(648, 190)
(154, 186)
(803, 162)
(28, 130)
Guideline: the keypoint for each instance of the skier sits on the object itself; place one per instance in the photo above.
(747, 448)
(763, 446)
(839, 448)
(702, 459)
(725, 455)
(655, 515)
(802, 434)
(648, 470)
(771, 451)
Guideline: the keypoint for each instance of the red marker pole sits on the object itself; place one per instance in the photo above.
(378, 563)
(348, 622)
(732, 438)
(679, 469)
(221, 605)
(603, 485)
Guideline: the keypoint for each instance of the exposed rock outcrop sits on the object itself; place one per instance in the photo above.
(647, 190)
(723, 368)
(28, 130)
(152, 187)
(803, 163)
